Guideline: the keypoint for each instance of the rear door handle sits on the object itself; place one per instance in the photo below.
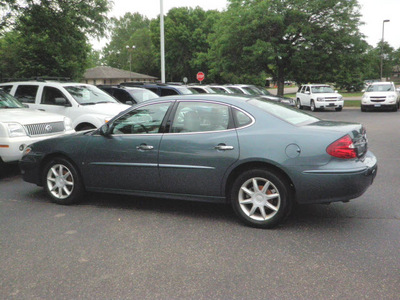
(223, 147)
(144, 147)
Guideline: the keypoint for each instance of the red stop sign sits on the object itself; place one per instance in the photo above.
(200, 76)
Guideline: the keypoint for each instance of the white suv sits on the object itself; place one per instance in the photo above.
(380, 95)
(20, 126)
(318, 96)
(86, 105)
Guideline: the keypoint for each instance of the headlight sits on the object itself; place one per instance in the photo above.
(340, 98)
(320, 99)
(67, 124)
(365, 97)
(15, 130)
(391, 97)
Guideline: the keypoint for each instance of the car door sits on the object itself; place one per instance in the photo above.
(127, 158)
(199, 148)
(53, 100)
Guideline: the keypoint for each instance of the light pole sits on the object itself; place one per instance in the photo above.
(130, 49)
(162, 42)
(383, 32)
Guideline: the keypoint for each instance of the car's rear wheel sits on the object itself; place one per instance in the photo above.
(298, 104)
(260, 198)
(62, 182)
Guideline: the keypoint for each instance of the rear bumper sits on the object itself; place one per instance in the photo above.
(332, 185)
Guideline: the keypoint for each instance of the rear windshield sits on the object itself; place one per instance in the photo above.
(143, 95)
(284, 112)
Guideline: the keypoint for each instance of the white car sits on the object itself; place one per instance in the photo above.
(20, 127)
(380, 95)
(86, 105)
(318, 96)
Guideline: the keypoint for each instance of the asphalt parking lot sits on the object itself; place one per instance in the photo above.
(117, 247)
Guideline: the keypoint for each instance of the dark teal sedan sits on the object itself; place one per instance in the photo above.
(258, 155)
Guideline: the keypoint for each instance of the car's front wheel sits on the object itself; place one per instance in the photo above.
(62, 182)
(312, 106)
(298, 104)
(260, 198)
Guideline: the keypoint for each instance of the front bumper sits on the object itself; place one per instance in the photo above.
(11, 149)
(330, 104)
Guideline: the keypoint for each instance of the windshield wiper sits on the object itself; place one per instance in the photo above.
(89, 103)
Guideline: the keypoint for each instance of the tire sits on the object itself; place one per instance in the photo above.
(260, 198)
(62, 182)
(298, 104)
(312, 106)
(363, 109)
(395, 107)
(339, 108)
(85, 127)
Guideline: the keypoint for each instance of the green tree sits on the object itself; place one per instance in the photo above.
(130, 30)
(50, 36)
(284, 38)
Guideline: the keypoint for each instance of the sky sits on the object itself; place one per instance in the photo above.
(373, 13)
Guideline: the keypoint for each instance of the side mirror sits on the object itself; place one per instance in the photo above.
(308, 92)
(61, 101)
(129, 102)
(104, 130)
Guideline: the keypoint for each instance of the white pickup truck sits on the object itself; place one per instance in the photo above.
(318, 96)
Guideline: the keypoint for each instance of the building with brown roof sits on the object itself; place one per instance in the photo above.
(109, 75)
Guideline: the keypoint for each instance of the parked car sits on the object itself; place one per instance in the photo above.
(380, 95)
(20, 126)
(263, 92)
(86, 105)
(128, 95)
(161, 89)
(201, 89)
(258, 155)
(318, 96)
(221, 89)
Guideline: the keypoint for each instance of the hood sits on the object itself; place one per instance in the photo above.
(107, 109)
(27, 116)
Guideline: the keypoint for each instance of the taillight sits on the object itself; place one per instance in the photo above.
(342, 148)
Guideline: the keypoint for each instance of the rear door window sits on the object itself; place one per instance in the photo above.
(26, 93)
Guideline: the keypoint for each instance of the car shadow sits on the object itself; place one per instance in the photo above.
(8, 170)
(302, 216)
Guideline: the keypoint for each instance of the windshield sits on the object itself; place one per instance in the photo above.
(322, 89)
(8, 101)
(184, 90)
(86, 94)
(143, 95)
(264, 91)
(251, 91)
(284, 112)
(380, 88)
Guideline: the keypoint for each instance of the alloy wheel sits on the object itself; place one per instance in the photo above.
(60, 181)
(259, 199)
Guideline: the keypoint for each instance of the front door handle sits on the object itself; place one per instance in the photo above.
(223, 147)
(144, 147)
